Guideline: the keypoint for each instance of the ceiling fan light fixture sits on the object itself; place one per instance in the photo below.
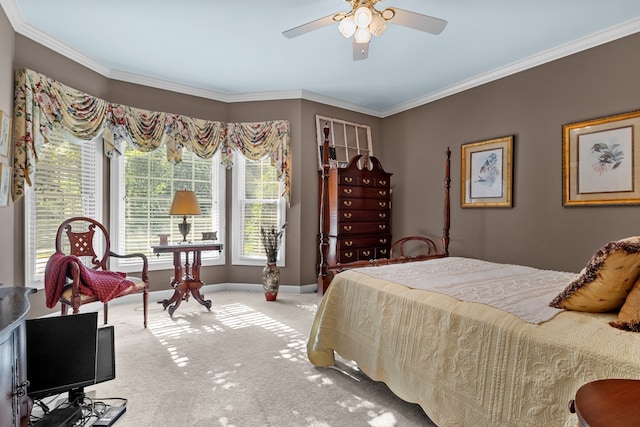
(378, 25)
(388, 14)
(347, 26)
(362, 16)
(363, 35)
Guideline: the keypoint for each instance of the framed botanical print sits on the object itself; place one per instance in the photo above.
(5, 184)
(601, 161)
(5, 133)
(487, 173)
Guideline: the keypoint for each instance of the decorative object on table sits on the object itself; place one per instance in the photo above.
(599, 161)
(271, 273)
(487, 170)
(185, 203)
(5, 133)
(164, 238)
(209, 235)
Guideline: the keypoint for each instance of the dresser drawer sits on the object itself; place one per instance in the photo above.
(352, 215)
(356, 180)
(347, 255)
(364, 242)
(363, 228)
(362, 254)
(383, 252)
(382, 182)
(363, 192)
(351, 203)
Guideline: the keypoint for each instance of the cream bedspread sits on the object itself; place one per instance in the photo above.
(523, 291)
(467, 363)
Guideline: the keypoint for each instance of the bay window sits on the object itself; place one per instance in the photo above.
(142, 189)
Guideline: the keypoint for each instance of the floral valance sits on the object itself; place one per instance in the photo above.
(46, 111)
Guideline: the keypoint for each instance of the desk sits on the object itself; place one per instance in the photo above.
(608, 403)
(188, 281)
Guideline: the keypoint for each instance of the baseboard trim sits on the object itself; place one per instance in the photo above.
(218, 287)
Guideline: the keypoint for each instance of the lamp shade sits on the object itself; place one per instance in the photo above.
(185, 202)
(347, 26)
(362, 16)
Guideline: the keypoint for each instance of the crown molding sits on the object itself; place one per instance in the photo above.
(14, 15)
(579, 45)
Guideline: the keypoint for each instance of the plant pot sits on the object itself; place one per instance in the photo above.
(271, 281)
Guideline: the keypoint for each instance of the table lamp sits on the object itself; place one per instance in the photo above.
(185, 203)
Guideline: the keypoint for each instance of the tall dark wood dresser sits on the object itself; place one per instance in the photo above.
(359, 200)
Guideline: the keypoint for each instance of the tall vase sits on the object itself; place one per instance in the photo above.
(271, 281)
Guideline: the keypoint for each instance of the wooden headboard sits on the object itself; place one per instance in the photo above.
(326, 272)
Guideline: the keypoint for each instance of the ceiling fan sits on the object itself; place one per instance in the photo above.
(364, 19)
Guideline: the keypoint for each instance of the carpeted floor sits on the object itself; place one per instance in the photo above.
(243, 364)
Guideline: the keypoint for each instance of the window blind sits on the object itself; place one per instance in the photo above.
(68, 183)
(257, 204)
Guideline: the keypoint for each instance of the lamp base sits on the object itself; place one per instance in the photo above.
(184, 228)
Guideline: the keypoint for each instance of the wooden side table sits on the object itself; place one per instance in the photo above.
(608, 403)
(188, 281)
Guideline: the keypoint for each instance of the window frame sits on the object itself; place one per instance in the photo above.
(236, 208)
(30, 194)
(345, 140)
(164, 261)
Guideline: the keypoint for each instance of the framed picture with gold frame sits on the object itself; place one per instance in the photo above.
(487, 173)
(5, 184)
(5, 133)
(601, 161)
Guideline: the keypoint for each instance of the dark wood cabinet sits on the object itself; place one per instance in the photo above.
(359, 209)
(14, 403)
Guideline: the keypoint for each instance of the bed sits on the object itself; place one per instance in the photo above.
(477, 343)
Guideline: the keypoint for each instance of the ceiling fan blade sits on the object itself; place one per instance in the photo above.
(360, 51)
(309, 26)
(418, 21)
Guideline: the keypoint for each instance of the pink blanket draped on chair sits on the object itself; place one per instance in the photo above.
(103, 284)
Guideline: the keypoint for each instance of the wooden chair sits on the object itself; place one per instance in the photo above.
(83, 241)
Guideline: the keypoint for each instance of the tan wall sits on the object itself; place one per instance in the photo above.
(7, 216)
(302, 215)
(533, 106)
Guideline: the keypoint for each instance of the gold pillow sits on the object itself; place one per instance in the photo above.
(629, 316)
(605, 282)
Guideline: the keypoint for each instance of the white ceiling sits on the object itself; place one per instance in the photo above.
(234, 50)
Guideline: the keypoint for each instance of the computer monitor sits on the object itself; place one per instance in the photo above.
(68, 353)
(106, 357)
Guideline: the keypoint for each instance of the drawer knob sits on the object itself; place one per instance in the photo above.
(382, 192)
(348, 179)
(347, 228)
(347, 202)
(382, 215)
(366, 181)
(349, 255)
(382, 204)
(383, 241)
(348, 243)
(348, 215)
(383, 251)
(382, 226)
(382, 182)
(366, 253)
(348, 191)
